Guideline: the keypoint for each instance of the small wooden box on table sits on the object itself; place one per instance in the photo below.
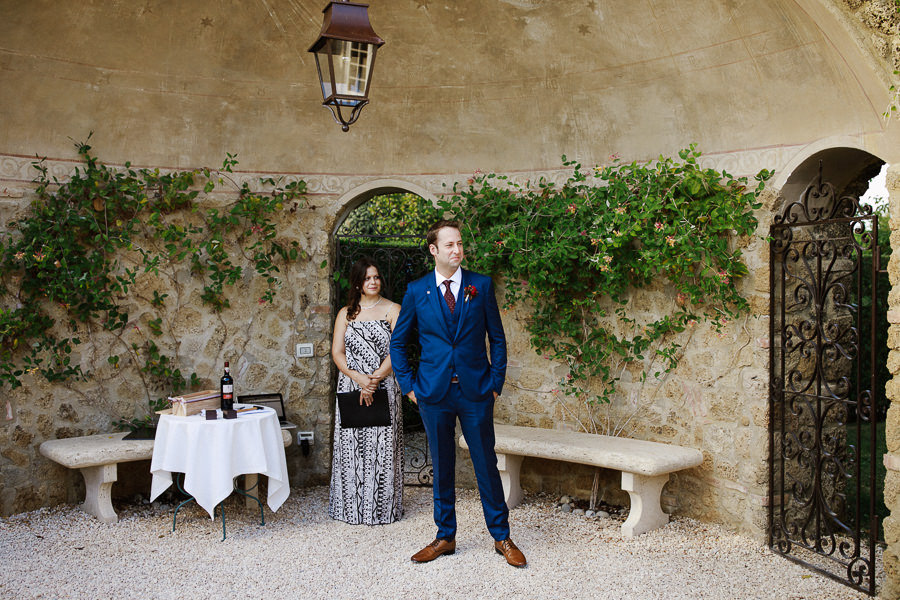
(191, 404)
(645, 466)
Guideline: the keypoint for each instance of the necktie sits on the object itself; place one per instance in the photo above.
(448, 296)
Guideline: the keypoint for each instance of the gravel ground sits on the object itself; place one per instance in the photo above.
(302, 553)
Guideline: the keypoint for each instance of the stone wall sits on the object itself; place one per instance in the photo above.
(892, 428)
(257, 339)
(716, 396)
(715, 401)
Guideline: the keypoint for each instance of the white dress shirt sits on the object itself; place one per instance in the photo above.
(455, 282)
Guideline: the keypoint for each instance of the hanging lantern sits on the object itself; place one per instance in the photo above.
(345, 58)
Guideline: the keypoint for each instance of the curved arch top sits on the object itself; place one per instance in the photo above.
(376, 187)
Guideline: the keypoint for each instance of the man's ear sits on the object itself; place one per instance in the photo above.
(433, 249)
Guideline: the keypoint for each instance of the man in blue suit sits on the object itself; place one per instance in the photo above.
(454, 309)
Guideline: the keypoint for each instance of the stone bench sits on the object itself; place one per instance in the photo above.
(645, 466)
(98, 456)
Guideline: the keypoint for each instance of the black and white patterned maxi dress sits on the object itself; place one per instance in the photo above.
(367, 464)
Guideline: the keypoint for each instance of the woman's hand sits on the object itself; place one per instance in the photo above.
(365, 382)
(366, 397)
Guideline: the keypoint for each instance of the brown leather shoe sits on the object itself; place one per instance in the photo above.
(509, 551)
(435, 549)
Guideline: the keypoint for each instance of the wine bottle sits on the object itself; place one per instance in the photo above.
(227, 388)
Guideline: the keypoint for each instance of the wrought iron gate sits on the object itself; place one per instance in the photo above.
(819, 401)
(401, 259)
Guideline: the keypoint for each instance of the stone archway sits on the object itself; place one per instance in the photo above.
(401, 258)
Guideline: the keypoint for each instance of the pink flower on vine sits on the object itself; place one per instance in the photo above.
(723, 276)
(607, 259)
(572, 209)
(658, 226)
(38, 256)
(19, 255)
(670, 240)
(692, 322)
(261, 301)
(256, 229)
(614, 156)
(616, 232)
(620, 210)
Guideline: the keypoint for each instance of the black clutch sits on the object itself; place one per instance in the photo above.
(354, 414)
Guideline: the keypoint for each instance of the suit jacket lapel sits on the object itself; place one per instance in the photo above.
(436, 298)
(461, 303)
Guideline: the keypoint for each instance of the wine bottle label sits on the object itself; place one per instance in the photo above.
(227, 392)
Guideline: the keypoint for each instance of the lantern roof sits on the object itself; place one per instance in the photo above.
(347, 21)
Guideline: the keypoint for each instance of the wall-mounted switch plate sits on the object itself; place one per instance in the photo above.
(304, 350)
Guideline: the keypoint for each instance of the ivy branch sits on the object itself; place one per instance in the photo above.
(69, 263)
(575, 253)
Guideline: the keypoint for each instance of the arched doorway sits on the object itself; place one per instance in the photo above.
(827, 405)
(388, 224)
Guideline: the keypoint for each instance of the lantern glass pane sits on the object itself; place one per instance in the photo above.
(322, 60)
(352, 61)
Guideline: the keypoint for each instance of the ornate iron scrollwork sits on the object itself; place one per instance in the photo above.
(401, 259)
(816, 389)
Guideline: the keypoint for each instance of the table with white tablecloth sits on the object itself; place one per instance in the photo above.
(211, 453)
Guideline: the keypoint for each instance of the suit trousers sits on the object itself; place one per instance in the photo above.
(476, 418)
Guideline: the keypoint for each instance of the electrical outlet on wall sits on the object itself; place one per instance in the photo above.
(304, 350)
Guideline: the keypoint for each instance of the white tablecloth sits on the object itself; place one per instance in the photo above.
(211, 453)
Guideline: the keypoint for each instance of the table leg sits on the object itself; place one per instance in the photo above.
(177, 508)
(251, 481)
(222, 506)
(180, 489)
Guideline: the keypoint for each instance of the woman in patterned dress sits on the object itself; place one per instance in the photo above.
(367, 464)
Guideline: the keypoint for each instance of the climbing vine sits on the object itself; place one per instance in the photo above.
(70, 265)
(575, 253)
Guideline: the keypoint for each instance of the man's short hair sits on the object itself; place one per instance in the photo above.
(432, 235)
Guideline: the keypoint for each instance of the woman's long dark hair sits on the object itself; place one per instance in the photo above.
(357, 279)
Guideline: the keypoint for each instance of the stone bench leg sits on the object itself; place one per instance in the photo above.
(645, 513)
(98, 491)
(509, 466)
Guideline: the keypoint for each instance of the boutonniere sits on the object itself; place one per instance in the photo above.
(471, 292)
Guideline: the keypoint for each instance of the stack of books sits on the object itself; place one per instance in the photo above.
(191, 404)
